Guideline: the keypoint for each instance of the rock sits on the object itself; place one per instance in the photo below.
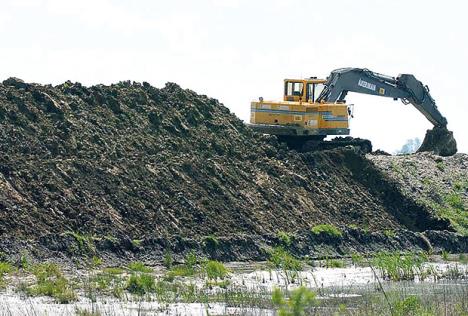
(440, 141)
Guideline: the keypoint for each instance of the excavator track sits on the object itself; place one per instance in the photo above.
(317, 143)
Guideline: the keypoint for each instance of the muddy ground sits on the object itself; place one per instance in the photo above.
(129, 171)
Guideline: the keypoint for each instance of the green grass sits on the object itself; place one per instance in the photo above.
(281, 259)
(51, 282)
(397, 267)
(326, 229)
(138, 266)
(390, 233)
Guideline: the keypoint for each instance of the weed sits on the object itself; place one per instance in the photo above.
(333, 263)
(300, 301)
(409, 306)
(85, 242)
(454, 200)
(51, 282)
(138, 266)
(211, 242)
(326, 229)
(191, 259)
(141, 284)
(168, 260)
(281, 259)
(440, 165)
(284, 238)
(356, 258)
(215, 270)
(445, 255)
(136, 243)
(96, 261)
(389, 233)
(113, 270)
(463, 258)
(397, 267)
(5, 268)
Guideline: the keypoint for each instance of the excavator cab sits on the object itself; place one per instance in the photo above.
(303, 90)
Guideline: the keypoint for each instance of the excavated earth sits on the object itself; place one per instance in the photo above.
(129, 171)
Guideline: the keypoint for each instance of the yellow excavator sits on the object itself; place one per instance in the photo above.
(315, 108)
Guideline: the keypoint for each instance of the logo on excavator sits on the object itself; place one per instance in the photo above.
(366, 84)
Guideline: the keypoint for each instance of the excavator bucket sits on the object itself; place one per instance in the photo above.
(440, 141)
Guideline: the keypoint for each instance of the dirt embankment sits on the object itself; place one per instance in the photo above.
(129, 171)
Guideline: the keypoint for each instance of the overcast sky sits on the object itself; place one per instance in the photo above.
(236, 50)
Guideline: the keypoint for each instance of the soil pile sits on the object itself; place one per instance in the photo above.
(131, 170)
(441, 183)
(440, 141)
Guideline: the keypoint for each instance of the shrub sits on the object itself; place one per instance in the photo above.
(215, 270)
(168, 261)
(138, 266)
(284, 238)
(211, 242)
(326, 229)
(141, 284)
(5, 268)
(397, 267)
(281, 259)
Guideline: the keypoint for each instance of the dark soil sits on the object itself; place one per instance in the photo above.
(128, 170)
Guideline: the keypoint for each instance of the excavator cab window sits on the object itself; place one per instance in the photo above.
(294, 88)
(313, 91)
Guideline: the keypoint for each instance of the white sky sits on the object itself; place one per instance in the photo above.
(238, 50)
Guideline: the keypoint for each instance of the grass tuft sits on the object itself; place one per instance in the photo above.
(326, 229)
(138, 266)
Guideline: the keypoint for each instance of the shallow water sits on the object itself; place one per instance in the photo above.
(351, 285)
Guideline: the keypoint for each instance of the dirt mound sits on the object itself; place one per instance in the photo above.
(440, 141)
(130, 169)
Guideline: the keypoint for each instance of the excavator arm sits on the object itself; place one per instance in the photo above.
(405, 87)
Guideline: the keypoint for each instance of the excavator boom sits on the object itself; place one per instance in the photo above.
(405, 87)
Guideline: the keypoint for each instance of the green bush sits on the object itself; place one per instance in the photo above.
(5, 268)
(215, 270)
(141, 284)
(168, 260)
(326, 229)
